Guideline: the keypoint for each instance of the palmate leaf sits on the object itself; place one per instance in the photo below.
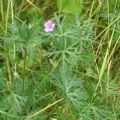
(14, 103)
(70, 39)
(66, 41)
(69, 86)
(69, 6)
(90, 111)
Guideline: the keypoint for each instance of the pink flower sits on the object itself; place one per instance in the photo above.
(49, 26)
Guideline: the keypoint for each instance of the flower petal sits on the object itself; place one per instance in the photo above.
(49, 26)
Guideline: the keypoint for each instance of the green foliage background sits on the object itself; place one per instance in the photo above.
(71, 73)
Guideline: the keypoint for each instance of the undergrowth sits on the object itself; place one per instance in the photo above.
(70, 73)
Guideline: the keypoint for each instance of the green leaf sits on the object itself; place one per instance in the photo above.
(69, 6)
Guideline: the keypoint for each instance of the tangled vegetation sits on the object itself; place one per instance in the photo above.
(59, 59)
